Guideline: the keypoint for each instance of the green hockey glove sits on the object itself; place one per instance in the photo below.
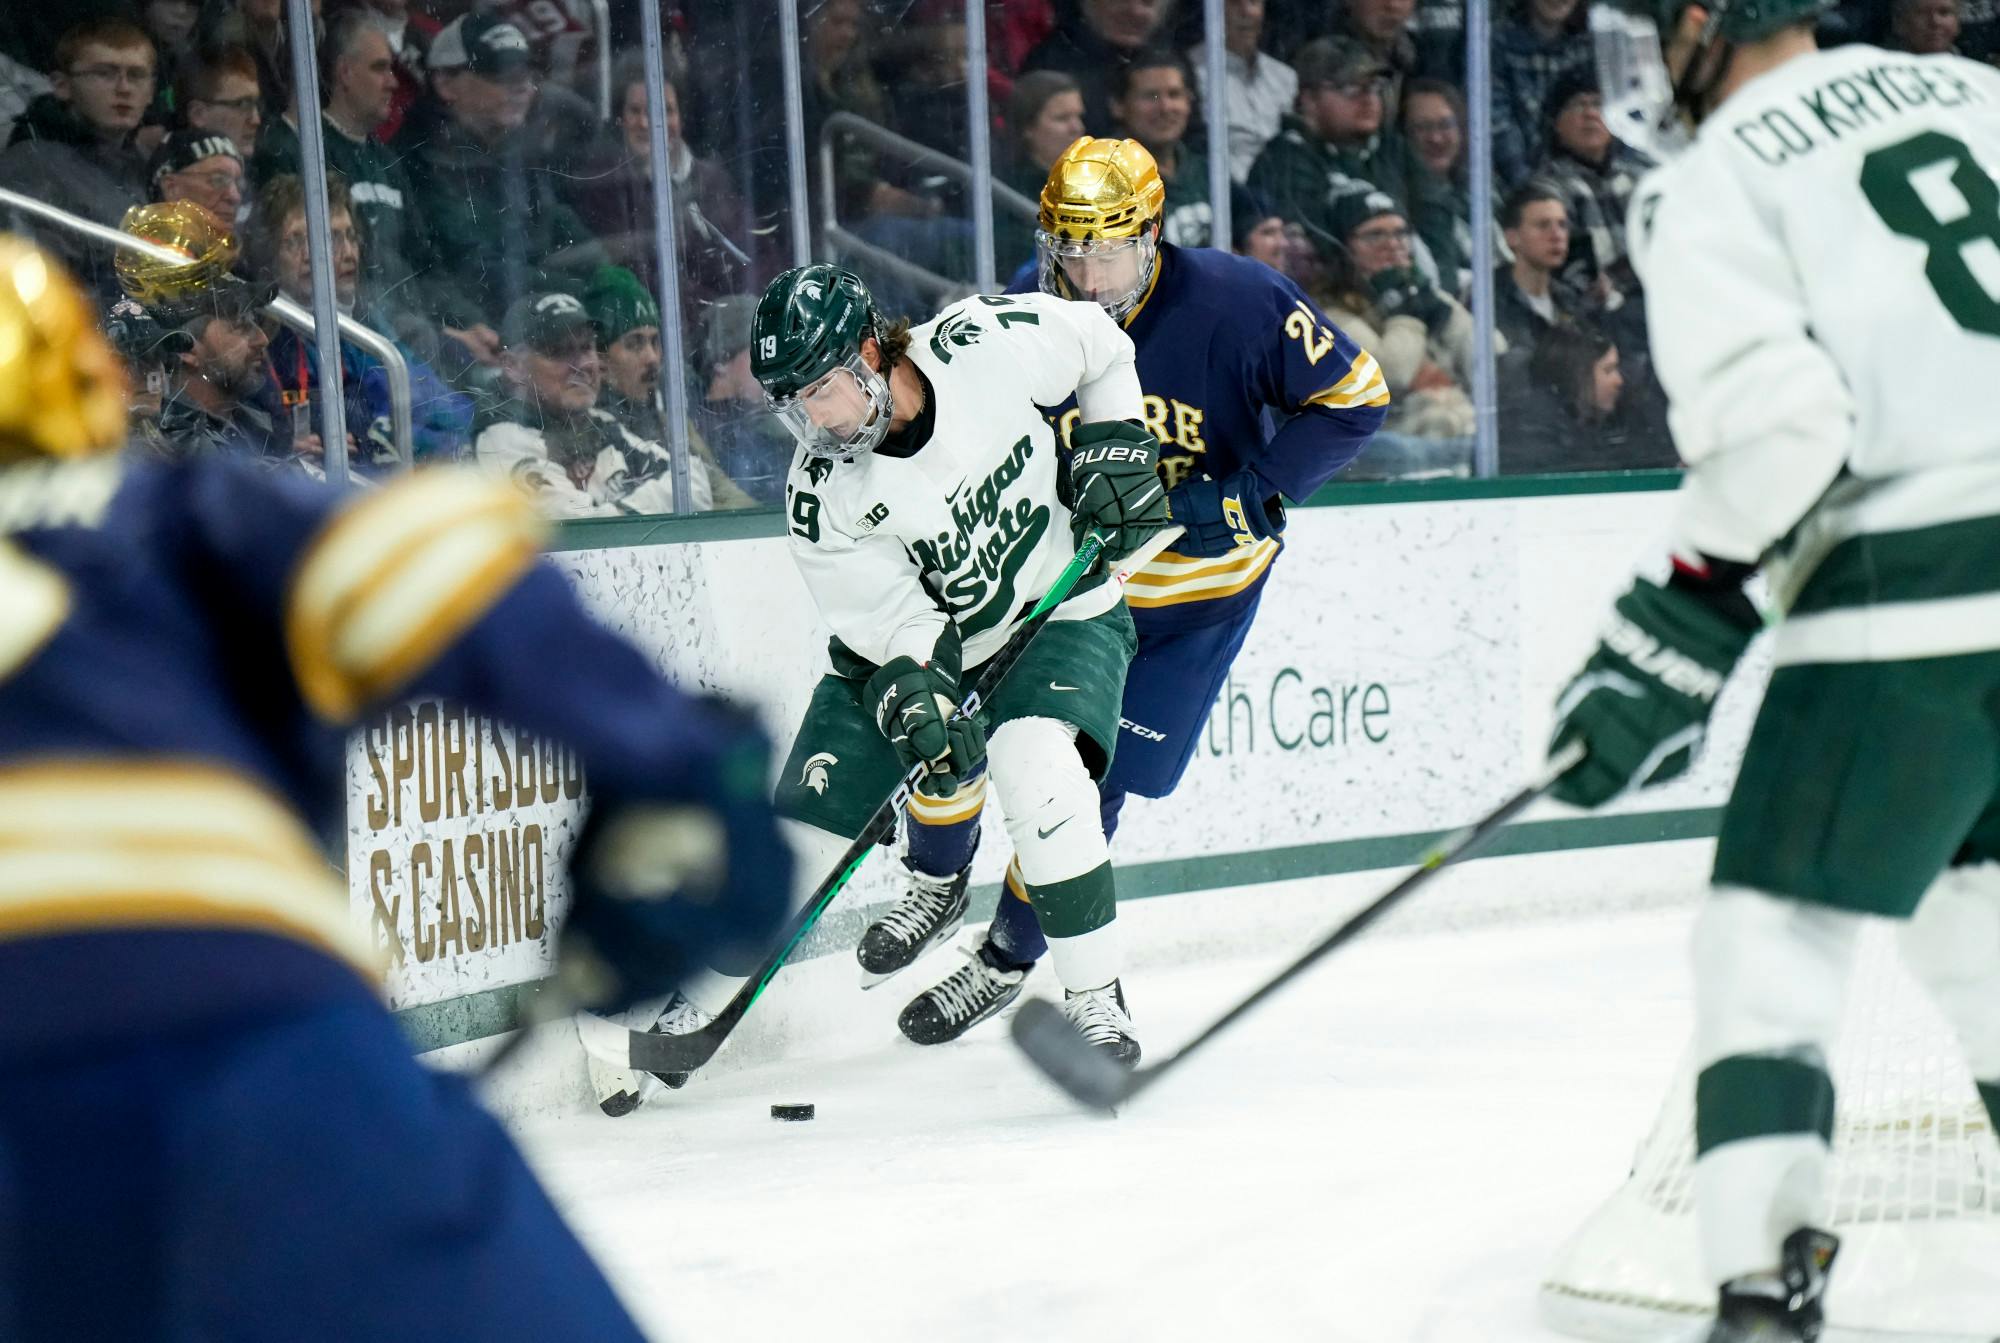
(913, 703)
(1640, 705)
(1114, 485)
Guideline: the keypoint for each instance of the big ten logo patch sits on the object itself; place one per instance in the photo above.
(467, 822)
(1292, 711)
(1175, 424)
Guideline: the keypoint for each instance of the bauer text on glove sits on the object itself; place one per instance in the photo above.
(1641, 704)
(1114, 485)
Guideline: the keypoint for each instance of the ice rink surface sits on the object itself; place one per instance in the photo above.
(1391, 1152)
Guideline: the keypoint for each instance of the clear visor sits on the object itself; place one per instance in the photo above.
(1638, 91)
(842, 415)
(1110, 272)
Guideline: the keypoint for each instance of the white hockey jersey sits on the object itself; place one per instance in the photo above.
(1822, 272)
(968, 527)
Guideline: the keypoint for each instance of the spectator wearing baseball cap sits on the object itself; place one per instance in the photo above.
(1335, 139)
(201, 167)
(627, 320)
(751, 444)
(499, 227)
(551, 437)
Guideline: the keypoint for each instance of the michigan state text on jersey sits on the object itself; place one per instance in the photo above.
(929, 509)
(1255, 398)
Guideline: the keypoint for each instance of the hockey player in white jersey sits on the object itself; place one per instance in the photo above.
(1822, 268)
(929, 507)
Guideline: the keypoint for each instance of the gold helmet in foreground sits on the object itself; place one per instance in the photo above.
(62, 390)
(191, 231)
(1099, 227)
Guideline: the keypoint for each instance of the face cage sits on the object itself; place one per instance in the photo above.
(869, 392)
(1053, 276)
(1640, 106)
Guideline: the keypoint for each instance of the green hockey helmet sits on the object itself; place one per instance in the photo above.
(1648, 106)
(1730, 20)
(805, 349)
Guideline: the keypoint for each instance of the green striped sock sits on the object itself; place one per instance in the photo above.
(1077, 906)
(1757, 1096)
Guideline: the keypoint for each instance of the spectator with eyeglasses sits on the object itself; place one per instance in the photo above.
(358, 83)
(1421, 336)
(257, 26)
(74, 146)
(1433, 126)
(1383, 27)
(1336, 139)
(220, 95)
(205, 169)
(279, 255)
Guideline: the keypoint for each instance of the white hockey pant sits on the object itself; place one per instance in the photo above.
(1770, 981)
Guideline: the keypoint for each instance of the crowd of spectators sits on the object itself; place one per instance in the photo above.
(500, 231)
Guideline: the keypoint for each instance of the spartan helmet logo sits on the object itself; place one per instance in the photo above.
(814, 774)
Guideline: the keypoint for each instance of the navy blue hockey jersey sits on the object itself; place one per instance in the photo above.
(1240, 369)
(182, 649)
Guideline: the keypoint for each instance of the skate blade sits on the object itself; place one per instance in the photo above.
(869, 979)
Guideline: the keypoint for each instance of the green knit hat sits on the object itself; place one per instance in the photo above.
(618, 303)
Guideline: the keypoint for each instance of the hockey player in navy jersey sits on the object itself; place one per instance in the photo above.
(1255, 398)
(210, 1126)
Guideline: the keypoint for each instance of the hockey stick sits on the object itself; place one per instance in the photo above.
(645, 1051)
(1093, 1078)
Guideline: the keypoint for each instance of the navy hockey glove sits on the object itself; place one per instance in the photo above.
(1220, 515)
(663, 886)
(1641, 703)
(1114, 485)
(913, 703)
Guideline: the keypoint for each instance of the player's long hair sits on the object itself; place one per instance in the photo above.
(895, 342)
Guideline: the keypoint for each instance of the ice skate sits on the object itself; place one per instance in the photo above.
(1782, 1307)
(1099, 1016)
(979, 989)
(928, 916)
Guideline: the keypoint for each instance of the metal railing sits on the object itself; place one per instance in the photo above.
(923, 158)
(600, 14)
(291, 314)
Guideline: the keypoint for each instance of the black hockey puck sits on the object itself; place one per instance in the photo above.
(794, 1113)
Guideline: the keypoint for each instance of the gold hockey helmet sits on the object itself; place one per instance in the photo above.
(1098, 228)
(62, 390)
(183, 227)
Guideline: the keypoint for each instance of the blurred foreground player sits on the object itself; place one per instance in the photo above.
(1256, 397)
(209, 1125)
(1825, 321)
